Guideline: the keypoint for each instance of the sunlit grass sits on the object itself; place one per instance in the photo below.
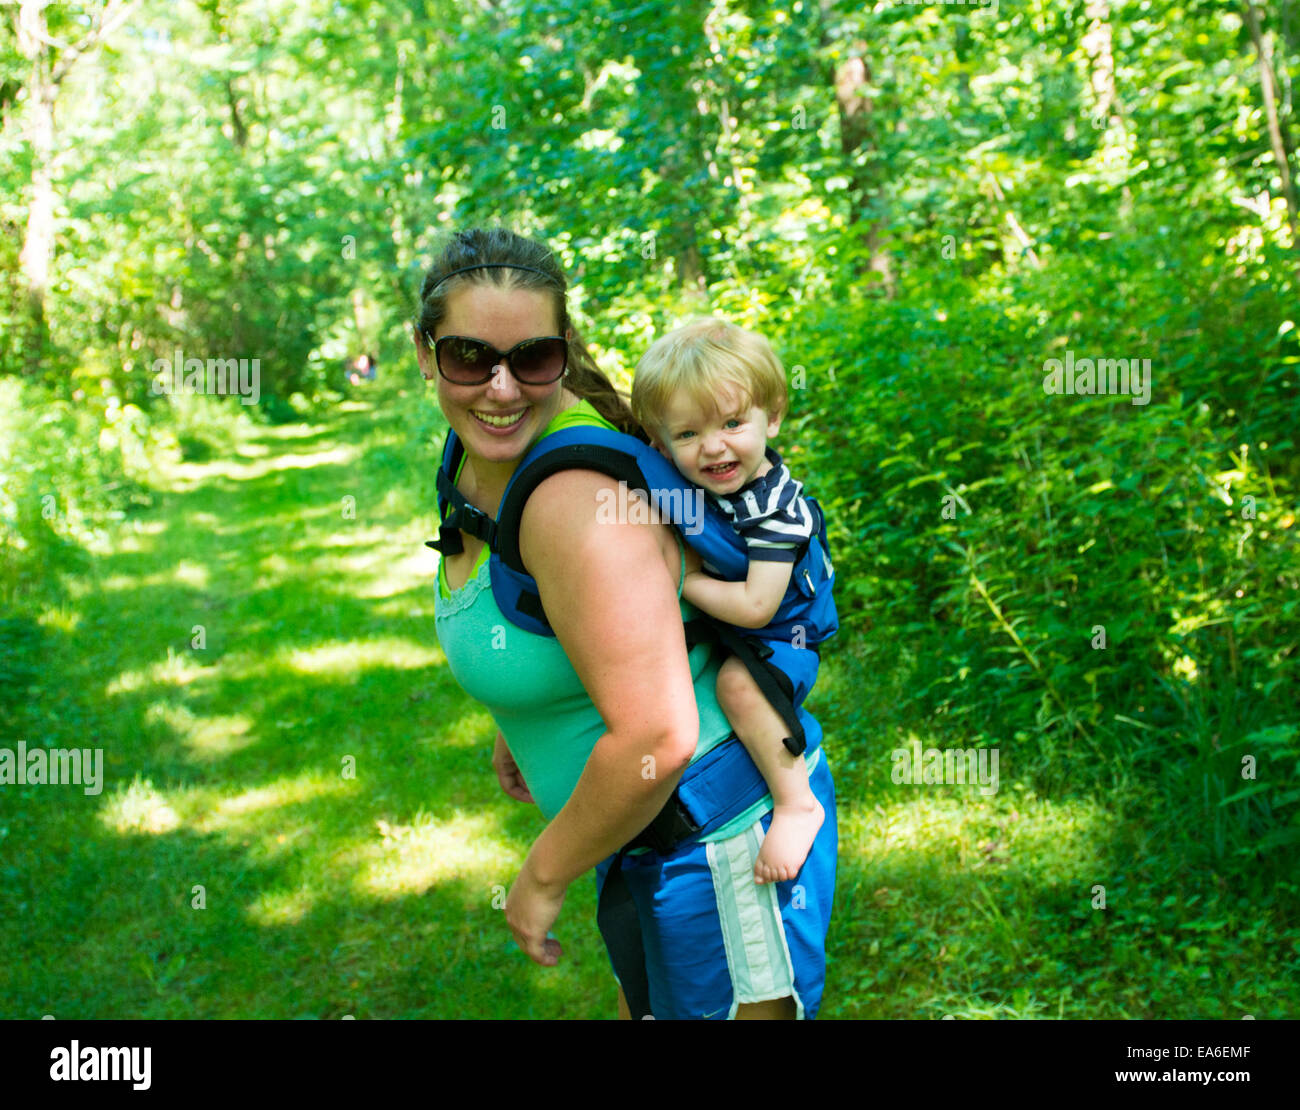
(140, 808)
(408, 859)
(282, 907)
(351, 657)
(61, 618)
(177, 669)
(206, 738)
(469, 730)
(254, 468)
(186, 574)
(954, 829)
(232, 812)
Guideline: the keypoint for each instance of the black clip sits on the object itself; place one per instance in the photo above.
(470, 518)
(464, 518)
(671, 826)
(448, 542)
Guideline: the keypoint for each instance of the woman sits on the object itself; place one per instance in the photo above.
(598, 724)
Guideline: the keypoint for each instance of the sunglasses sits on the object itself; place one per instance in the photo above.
(465, 361)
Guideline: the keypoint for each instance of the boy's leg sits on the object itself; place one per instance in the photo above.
(796, 814)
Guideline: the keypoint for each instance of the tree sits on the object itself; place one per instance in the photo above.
(50, 60)
(1278, 137)
(851, 79)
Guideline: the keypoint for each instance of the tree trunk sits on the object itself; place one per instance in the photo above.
(38, 240)
(238, 131)
(1101, 62)
(45, 73)
(999, 200)
(857, 135)
(690, 266)
(961, 49)
(1276, 128)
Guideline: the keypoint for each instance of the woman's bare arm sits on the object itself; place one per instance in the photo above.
(612, 602)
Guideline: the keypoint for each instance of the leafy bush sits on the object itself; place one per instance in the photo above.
(1106, 590)
(204, 427)
(66, 470)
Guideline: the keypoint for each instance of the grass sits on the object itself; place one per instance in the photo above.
(299, 816)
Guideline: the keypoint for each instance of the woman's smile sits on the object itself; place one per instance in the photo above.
(497, 423)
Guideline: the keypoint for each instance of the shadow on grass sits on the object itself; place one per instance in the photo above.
(316, 791)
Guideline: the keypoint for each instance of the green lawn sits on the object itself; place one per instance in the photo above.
(316, 770)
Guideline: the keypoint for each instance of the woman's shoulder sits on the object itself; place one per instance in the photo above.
(580, 518)
(576, 415)
(573, 505)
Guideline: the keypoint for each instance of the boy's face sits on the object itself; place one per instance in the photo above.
(722, 450)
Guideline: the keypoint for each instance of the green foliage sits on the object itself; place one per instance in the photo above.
(67, 470)
(22, 658)
(995, 529)
(919, 205)
(205, 427)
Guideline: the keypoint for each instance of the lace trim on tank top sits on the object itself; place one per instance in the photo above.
(464, 597)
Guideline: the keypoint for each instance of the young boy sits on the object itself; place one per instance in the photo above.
(710, 395)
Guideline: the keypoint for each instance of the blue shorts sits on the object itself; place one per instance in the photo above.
(715, 939)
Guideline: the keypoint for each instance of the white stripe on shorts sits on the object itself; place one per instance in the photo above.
(758, 957)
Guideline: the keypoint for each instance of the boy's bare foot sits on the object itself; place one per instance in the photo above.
(789, 839)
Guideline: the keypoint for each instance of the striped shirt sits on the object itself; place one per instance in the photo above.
(770, 514)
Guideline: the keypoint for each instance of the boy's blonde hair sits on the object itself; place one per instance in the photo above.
(697, 359)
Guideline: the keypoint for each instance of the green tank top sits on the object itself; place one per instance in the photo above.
(532, 691)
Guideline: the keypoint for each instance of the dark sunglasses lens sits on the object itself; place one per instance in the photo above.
(539, 360)
(464, 360)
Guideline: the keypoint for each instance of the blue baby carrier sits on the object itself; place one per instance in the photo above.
(724, 782)
(806, 616)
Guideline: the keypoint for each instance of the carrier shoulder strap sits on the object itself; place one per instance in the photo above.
(457, 514)
(720, 545)
(615, 463)
(625, 459)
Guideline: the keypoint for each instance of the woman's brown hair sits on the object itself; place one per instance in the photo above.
(502, 251)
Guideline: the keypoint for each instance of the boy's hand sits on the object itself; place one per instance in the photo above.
(694, 575)
(748, 604)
